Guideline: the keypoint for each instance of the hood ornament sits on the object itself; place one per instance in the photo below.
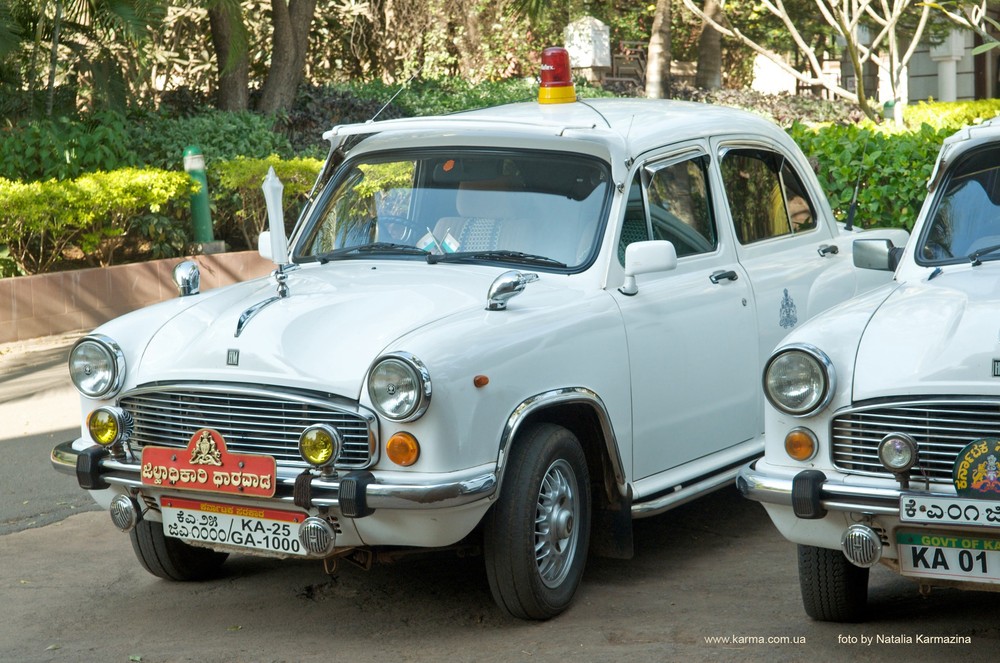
(507, 285)
(273, 244)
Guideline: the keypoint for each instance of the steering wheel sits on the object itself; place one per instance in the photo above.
(397, 230)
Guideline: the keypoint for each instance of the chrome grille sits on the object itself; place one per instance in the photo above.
(251, 421)
(940, 428)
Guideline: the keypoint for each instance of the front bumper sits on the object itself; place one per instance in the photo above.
(811, 495)
(354, 494)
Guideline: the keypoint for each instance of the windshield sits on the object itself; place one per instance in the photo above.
(539, 208)
(965, 222)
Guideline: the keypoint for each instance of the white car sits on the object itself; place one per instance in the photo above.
(884, 417)
(515, 329)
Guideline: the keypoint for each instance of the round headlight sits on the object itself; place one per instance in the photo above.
(799, 380)
(320, 445)
(97, 366)
(897, 452)
(399, 387)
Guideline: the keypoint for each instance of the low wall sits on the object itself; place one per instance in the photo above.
(48, 304)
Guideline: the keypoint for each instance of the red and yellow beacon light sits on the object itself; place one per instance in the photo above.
(557, 77)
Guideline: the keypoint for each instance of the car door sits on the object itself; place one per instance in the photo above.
(691, 336)
(781, 241)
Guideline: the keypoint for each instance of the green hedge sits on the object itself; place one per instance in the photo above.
(96, 215)
(238, 200)
(892, 168)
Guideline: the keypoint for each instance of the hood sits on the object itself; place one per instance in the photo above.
(324, 335)
(934, 337)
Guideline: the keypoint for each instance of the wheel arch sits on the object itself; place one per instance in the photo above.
(582, 412)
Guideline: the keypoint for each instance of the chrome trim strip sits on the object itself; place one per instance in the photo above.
(439, 495)
(682, 496)
(564, 396)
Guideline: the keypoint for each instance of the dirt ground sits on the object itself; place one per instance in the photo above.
(706, 572)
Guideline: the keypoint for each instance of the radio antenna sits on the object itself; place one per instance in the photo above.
(849, 224)
(393, 97)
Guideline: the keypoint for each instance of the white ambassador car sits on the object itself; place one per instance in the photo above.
(883, 430)
(512, 330)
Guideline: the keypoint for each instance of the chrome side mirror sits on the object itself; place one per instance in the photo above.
(187, 278)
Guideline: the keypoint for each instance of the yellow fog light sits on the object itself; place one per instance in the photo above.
(402, 449)
(108, 425)
(800, 444)
(320, 445)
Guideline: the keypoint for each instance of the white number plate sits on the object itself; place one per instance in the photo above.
(269, 530)
(949, 511)
(949, 557)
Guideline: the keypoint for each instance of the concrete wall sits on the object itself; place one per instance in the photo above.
(47, 304)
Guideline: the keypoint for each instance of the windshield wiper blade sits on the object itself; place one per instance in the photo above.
(375, 247)
(505, 256)
(975, 256)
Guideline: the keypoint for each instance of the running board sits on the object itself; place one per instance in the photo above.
(684, 494)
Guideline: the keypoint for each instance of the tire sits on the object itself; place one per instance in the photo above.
(172, 559)
(833, 589)
(537, 534)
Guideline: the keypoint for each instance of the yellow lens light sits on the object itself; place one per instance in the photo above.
(319, 445)
(103, 426)
(402, 449)
(800, 444)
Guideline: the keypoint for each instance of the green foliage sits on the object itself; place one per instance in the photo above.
(159, 141)
(63, 148)
(96, 215)
(235, 187)
(893, 169)
(950, 115)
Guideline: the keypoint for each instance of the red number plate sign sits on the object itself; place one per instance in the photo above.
(206, 465)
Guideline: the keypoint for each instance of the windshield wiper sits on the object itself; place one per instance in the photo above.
(975, 256)
(376, 247)
(505, 256)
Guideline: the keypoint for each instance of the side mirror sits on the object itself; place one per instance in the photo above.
(878, 254)
(264, 245)
(656, 255)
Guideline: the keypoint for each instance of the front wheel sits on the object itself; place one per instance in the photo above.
(170, 558)
(833, 589)
(537, 534)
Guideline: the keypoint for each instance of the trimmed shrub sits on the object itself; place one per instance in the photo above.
(239, 199)
(951, 115)
(892, 169)
(94, 216)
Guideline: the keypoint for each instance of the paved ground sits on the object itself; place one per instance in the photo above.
(28, 370)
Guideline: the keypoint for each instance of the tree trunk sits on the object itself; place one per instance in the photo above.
(709, 76)
(291, 20)
(658, 55)
(230, 45)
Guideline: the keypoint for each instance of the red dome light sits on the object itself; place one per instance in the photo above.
(556, 77)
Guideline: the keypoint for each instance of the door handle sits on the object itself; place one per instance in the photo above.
(827, 249)
(723, 275)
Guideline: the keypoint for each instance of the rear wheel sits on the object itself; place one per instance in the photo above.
(170, 558)
(833, 589)
(536, 535)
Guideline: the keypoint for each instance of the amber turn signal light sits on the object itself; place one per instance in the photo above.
(402, 449)
(800, 444)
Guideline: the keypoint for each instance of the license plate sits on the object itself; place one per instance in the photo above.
(949, 557)
(957, 511)
(255, 528)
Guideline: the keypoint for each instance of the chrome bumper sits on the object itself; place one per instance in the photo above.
(323, 491)
(808, 494)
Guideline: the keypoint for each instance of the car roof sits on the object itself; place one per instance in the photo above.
(634, 125)
(963, 140)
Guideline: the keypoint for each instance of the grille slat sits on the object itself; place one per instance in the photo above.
(941, 429)
(250, 422)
